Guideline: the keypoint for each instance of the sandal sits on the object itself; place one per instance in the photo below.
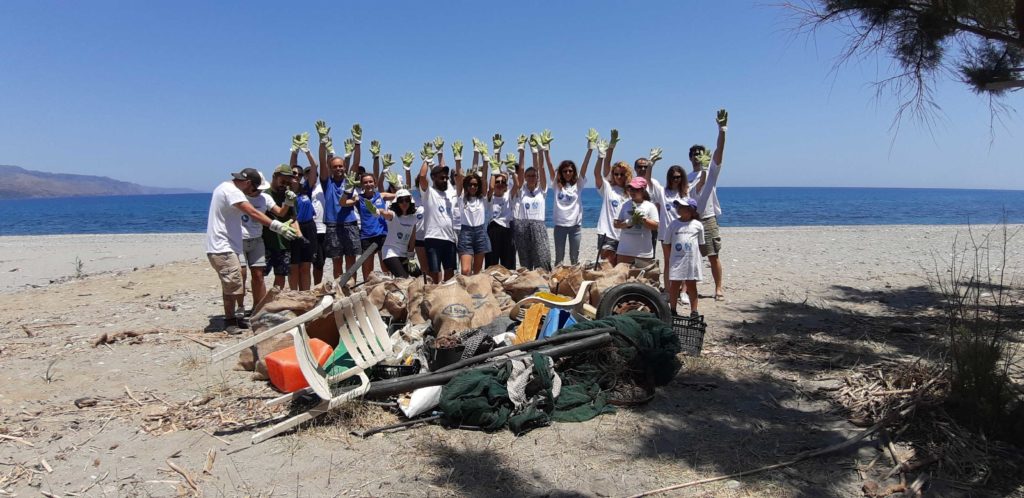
(719, 297)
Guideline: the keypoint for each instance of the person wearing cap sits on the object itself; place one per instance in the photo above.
(710, 209)
(685, 235)
(636, 219)
(224, 236)
(280, 194)
(438, 198)
(402, 217)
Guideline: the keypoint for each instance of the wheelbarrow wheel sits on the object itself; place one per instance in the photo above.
(633, 296)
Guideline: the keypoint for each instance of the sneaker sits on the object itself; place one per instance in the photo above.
(684, 299)
(694, 314)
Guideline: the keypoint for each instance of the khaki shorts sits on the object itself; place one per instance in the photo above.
(229, 270)
(712, 240)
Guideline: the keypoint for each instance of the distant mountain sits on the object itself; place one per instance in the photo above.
(21, 183)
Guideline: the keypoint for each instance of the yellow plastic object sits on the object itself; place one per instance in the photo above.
(553, 297)
(527, 330)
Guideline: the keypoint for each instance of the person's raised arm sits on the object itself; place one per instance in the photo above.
(547, 162)
(357, 138)
(544, 176)
(375, 152)
(407, 166)
(457, 154)
(722, 119)
(326, 146)
(592, 139)
(421, 178)
(498, 142)
(490, 188)
(438, 145)
(313, 168)
(601, 170)
(612, 141)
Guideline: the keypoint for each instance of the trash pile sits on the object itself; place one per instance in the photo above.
(516, 349)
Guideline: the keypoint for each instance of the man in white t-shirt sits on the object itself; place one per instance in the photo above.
(224, 236)
(710, 209)
(438, 199)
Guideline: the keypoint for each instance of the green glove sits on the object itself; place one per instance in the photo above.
(722, 119)
(375, 148)
(635, 217)
(328, 144)
(283, 229)
(352, 180)
(521, 142)
(479, 147)
(323, 130)
(592, 138)
(496, 166)
(498, 142)
(485, 156)
(387, 161)
(350, 147)
(304, 141)
(296, 142)
(534, 142)
(427, 154)
(545, 139)
(510, 162)
(370, 207)
(407, 159)
(614, 139)
(655, 155)
(438, 144)
(357, 133)
(457, 150)
(393, 179)
(602, 148)
(704, 159)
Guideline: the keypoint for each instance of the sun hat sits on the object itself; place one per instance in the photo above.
(402, 193)
(685, 202)
(638, 182)
(249, 175)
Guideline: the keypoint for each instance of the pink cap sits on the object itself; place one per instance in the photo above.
(638, 182)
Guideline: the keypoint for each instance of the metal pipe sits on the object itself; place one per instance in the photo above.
(525, 346)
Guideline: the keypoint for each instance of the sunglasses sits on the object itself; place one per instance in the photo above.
(500, 182)
(474, 185)
(675, 177)
(618, 174)
(403, 199)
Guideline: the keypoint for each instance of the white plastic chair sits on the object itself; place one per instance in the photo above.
(365, 336)
(574, 305)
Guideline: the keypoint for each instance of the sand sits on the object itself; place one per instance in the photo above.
(745, 403)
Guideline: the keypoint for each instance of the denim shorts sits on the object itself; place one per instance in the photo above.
(440, 254)
(474, 240)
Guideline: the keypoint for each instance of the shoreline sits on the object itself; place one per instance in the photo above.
(33, 261)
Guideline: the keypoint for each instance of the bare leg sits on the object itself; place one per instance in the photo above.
(241, 302)
(336, 266)
(318, 275)
(466, 264)
(666, 250)
(259, 285)
(478, 263)
(367, 268)
(673, 294)
(350, 261)
(304, 275)
(716, 273)
(293, 276)
(691, 290)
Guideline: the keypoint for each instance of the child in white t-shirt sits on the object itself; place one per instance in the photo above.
(636, 220)
(685, 236)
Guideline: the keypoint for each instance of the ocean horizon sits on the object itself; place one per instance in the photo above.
(741, 206)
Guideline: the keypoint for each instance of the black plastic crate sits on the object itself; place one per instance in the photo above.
(690, 331)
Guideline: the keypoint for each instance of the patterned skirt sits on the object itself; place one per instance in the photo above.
(532, 244)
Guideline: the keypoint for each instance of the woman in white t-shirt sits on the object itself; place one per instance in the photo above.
(567, 213)
(473, 242)
(529, 211)
(636, 219)
(402, 217)
(499, 196)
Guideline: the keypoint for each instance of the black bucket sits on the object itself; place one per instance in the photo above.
(440, 358)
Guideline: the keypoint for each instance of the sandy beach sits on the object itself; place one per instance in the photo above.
(835, 294)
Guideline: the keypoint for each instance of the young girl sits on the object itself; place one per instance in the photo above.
(568, 210)
(402, 218)
(685, 235)
(636, 219)
(303, 251)
(529, 229)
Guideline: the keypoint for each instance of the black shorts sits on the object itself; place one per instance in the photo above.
(320, 250)
(440, 254)
(278, 260)
(365, 243)
(332, 243)
(304, 249)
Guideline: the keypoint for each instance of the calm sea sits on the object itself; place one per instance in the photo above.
(742, 206)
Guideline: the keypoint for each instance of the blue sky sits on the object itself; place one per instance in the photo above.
(181, 93)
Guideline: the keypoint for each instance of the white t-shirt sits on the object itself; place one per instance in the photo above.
(317, 197)
(636, 241)
(711, 206)
(666, 209)
(224, 222)
(568, 210)
(251, 228)
(684, 261)
(613, 199)
(473, 211)
(396, 244)
(501, 208)
(530, 204)
(437, 213)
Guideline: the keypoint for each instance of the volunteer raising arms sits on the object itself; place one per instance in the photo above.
(568, 209)
(530, 232)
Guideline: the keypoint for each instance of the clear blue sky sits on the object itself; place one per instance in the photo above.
(180, 93)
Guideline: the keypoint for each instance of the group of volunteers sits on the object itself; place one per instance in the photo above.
(492, 212)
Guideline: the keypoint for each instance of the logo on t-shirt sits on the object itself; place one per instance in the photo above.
(679, 247)
(400, 235)
(419, 216)
(440, 209)
(245, 218)
(615, 204)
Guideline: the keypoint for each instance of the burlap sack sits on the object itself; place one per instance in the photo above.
(449, 308)
(485, 307)
(278, 307)
(505, 302)
(396, 298)
(525, 284)
(417, 292)
(605, 280)
(566, 280)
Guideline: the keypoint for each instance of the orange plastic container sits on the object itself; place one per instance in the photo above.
(283, 366)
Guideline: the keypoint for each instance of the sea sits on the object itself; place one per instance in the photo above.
(741, 206)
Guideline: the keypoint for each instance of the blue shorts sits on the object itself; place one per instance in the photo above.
(278, 260)
(474, 240)
(440, 254)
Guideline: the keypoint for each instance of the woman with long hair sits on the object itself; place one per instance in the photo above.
(530, 232)
(567, 213)
(400, 241)
(473, 241)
